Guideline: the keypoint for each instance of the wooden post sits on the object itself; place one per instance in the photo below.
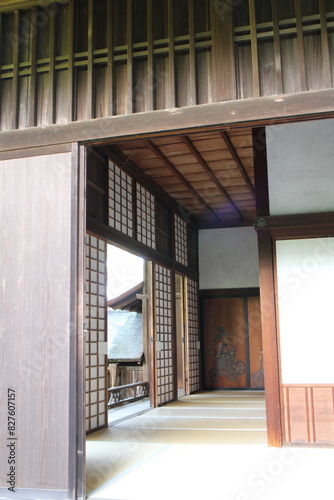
(269, 339)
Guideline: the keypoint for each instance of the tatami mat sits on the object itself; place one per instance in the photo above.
(186, 450)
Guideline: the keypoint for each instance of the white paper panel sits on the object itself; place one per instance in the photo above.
(305, 275)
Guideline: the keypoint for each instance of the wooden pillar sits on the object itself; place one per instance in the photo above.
(267, 292)
(269, 339)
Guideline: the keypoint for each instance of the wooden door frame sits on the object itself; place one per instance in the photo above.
(270, 229)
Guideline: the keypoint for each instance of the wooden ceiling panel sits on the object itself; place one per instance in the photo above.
(209, 173)
(209, 145)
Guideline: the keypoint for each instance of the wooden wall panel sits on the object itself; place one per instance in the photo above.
(308, 414)
(108, 57)
(37, 322)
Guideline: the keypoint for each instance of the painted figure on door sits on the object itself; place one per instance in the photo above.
(224, 356)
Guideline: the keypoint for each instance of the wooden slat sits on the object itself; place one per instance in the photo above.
(129, 67)
(223, 59)
(277, 48)
(150, 60)
(308, 413)
(110, 62)
(238, 161)
(327, 78)
(180, 177)
(52, 59)
(90, 62)
(15, 88)
(300, 46)
(33, 89)
(170, 81)
(1, 28)
(192, 57)
(254, 49)
(212, 176)
(70, 89)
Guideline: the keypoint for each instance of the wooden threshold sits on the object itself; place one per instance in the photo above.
(216, 116)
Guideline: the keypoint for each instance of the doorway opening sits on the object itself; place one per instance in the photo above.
(128, 374)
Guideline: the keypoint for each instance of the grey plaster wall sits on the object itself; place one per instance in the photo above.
(301, 167)
(228, 258)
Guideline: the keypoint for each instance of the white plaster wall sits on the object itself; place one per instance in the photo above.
(301, 167)
(305, 276)
(228, 258)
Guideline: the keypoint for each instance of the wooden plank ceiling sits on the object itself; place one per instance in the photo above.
(210, 174)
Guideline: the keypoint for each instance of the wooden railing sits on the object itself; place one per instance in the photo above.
(127, 393)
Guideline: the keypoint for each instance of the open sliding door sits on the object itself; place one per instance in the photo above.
(41, 343)
(164, 335)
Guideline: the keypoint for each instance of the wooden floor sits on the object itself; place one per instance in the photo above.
(210, 444)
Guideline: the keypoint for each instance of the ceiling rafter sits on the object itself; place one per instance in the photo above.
(238, 161)
(210, 173)
(184, 181)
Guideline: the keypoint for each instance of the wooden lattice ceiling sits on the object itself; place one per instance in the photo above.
(210, 174)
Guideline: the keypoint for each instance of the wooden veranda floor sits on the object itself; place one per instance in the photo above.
(208, 445)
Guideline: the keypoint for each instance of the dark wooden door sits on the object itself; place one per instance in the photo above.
(232, 343)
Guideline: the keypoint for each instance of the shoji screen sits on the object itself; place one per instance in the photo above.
(181, 240)
(164, 334)
(193, 337)
(96, 340)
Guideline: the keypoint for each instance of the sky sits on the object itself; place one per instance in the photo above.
(125, 270)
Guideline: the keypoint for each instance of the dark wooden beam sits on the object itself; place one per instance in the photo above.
(260, 170)
(229, 292)
(301, 225)
(10, 5)
(238, 161)
(181, 178)
(215, 116)
(212, 176)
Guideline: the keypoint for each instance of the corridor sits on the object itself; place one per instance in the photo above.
(207, 445)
